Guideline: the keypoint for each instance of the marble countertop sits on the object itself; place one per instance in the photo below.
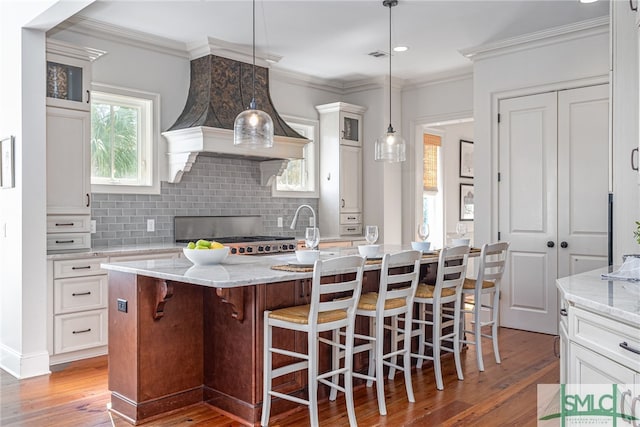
(617, 299)
(237, 270)
(117, 251)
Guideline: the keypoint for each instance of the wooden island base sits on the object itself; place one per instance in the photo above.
(178, 344)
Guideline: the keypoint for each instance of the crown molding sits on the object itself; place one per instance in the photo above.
(237, 52)
(450, 76)
(305, 80)
(78, 52)
(91, 27)
(538, 39)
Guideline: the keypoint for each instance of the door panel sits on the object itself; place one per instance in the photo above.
(553, 160)
(583, 152)
(527, 206)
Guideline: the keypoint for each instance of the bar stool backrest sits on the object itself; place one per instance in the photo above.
(493, 257)
(391, 282)
(450, 273)
(348, 287)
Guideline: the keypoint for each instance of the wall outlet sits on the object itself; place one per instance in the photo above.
(151, 225)
(280, 221)
(93, 226)
(122, 305)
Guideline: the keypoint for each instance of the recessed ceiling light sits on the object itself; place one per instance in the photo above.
(588, 1)
(400, 49)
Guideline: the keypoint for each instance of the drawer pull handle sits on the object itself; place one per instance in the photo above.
(82, 331)
(563, 312)
(65, 241)
(86, 267)
(627, 347)
(77, 294)
(64, 224)
(351, 217)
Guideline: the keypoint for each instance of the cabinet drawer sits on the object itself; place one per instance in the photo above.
(351, 218)
(79, 331)
(605, 336)
(79, 294)
(68, 223)
(78, 267)
(351, 229)
(68, 241)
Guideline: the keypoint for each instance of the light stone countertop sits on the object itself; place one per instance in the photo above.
(617, 299)
(117, 251)
(236, 270)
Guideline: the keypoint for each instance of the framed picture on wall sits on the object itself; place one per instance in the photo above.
(6, 162)
(466, 202)
(466, 159)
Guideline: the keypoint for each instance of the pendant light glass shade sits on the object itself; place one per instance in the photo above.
(253, 128)
(390, 147)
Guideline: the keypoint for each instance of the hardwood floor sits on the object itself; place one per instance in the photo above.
(76, 394)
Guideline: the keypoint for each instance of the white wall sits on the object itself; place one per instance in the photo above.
(426, 105)
(579, 59)
(23, 291)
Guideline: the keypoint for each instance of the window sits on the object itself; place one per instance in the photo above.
(124, 135)
(432, 203)
(300, 178)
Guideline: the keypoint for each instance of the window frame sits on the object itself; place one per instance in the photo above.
(314, 148)
(150, 146)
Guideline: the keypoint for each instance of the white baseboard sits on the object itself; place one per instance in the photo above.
(24, 365)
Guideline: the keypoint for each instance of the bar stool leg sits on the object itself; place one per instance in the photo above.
(437, 332)
(406, 358)
(266, 401)
(372, 357)
(477, 330)
(494, 327)
(394, 346)
(348, 378)
(379, 344)
(313, 374)
(335, 362)
(423, 328)
(456, 339)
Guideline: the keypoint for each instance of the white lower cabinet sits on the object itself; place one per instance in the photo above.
(78, 305)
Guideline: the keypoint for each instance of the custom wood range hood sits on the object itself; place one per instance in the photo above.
(220, 88)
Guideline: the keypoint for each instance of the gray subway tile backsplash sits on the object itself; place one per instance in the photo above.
(215, 186)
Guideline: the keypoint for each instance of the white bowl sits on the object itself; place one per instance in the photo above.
(307, 256)
(206, 256)
(369, 251)
(460, 242)
(420, 246)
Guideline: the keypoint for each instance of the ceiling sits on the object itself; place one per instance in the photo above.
(332, 39)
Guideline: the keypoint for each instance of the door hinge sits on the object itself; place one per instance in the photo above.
(498, 117)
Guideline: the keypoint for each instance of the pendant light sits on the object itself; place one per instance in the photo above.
(253, 128)
(390, 147)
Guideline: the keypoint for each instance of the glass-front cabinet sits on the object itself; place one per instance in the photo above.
(69, 75)
(351, 129)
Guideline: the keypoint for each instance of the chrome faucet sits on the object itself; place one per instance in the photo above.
(295, 217)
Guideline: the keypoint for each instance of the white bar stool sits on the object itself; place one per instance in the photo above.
(314, 318)
(448, 289)
(490, 269)
(394, 298)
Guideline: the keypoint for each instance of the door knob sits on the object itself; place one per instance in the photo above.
(564, 244)
(550, 244)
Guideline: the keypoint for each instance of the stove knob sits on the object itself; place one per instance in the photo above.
(292, 247)
(284, 247)
(267, 248)
(234, 250)
(241, 250)
(249, 249)
(260, 248)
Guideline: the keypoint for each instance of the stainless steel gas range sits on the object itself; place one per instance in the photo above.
(243, 234)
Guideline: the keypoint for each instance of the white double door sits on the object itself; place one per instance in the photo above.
(553, 198)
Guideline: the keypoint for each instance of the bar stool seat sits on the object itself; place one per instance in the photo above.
(426, 291)
(323, 314)
(471, 284)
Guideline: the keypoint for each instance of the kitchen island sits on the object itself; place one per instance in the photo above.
(180, 334)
